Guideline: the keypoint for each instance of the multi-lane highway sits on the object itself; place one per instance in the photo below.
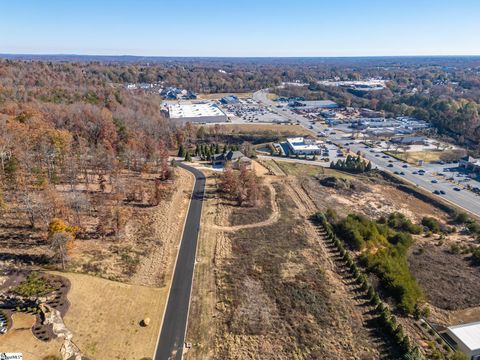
(463, 199)
(172, 336)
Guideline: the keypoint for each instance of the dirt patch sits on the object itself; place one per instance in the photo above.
(371, 197)
(250, 215)
(449, 280)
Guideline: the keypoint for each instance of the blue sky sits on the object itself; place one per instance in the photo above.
(241, 28)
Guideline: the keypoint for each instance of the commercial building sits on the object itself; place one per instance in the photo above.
(309, 105)
(470, 163)
(302, 146)
(410, 140)
(196, 113)
(466, 338)
(230, 99)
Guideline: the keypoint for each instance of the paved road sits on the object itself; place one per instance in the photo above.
(463, 199)
(172, 335)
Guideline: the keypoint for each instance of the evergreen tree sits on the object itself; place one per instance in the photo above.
(181, 151)
(217, 149)
(188, 157)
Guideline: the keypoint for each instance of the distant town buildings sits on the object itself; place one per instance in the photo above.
(362, 86)
(196, 113)
(316, 104)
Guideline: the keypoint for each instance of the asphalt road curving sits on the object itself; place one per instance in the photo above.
(174, 326)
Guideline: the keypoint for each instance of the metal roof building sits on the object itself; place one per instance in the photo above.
(198, 113)
(466, 337)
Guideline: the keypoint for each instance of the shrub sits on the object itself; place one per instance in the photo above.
(431, 224)
(33, 285)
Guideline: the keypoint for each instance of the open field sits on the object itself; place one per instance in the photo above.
(413, 157)
(21, 339)
(245, 283)
(449, 280)
(105, 316)
(256, 129)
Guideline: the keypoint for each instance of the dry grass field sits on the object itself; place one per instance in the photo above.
(258, 129)
(21, 339)
(266, 291)
(105, 316)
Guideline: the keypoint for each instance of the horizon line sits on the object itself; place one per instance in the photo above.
(240, 56)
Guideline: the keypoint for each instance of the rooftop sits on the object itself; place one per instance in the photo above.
(469, 334)
(178, 111)
(299, 143)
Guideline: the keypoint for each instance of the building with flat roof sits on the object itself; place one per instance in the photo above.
(315, 104)
(302, 146)
(196, 113)
(466, 338)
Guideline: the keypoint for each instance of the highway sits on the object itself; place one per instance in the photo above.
(174, 326)
(464, 199)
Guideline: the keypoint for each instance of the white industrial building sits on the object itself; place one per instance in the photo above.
(196, 113)
(302, 146)
(466, 338)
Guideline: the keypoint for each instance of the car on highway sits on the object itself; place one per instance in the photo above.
(434, 181)
(396, 173)
(457, 189)
(377, 155)
(405, 166)
(436, 192)
(402, 173)
(415, 173)
(442, 192)
(390, 165)
(385, 156)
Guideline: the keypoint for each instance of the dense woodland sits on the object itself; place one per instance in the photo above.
(64, 121)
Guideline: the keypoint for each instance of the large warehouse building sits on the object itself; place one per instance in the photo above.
(196, 113)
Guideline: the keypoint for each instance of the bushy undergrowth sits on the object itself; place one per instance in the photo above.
(384, 252)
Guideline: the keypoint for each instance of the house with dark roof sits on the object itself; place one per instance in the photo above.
(410, 140)
(236, 158)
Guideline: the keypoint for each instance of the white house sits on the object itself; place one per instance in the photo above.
(466, 337)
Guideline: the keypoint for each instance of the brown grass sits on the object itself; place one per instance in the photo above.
(254, 129)
(105, 316)
(21, 339)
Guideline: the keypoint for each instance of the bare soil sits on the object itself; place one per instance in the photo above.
(449, 280)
